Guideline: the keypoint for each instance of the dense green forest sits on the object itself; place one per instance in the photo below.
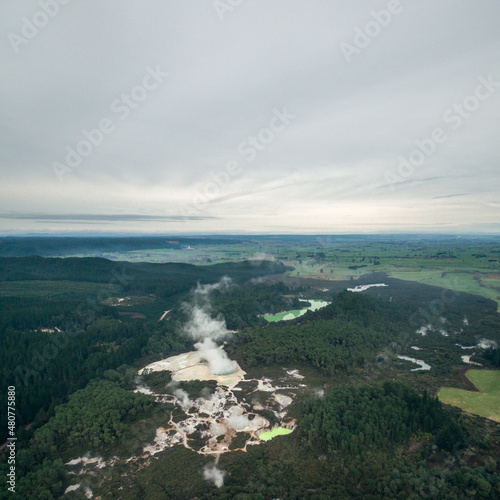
(357, 420)
(94, 417)
(369, 442)
(339, 337)
(46, 367)
(97, 417)
(330, 346)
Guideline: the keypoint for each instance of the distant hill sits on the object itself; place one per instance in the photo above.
(162, 279)
(49, 246)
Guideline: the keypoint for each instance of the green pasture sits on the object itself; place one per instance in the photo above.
(459, 281)
(485, 403)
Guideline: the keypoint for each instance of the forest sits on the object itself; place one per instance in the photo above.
(338, 337)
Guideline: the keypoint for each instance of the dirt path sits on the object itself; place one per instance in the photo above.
(182, 433)
(164, 314)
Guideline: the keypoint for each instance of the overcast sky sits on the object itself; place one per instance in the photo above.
(255, 116)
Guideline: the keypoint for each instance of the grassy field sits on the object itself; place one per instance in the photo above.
(485, 403)
(466, 282)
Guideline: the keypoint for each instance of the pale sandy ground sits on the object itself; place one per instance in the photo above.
(362, 288)
(189, 366)
(466, 359)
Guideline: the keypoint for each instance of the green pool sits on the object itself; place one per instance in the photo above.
(278, 431)
(295, 313)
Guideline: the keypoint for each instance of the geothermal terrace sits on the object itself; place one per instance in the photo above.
(190, 366)
(217, 420)
(216, 423)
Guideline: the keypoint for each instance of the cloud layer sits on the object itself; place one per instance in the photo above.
(263, 117)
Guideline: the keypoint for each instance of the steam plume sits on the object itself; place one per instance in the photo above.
(216, 357)
(214, 474)
(181, 395)
(207, 330)
(183, 398)
(237, 420)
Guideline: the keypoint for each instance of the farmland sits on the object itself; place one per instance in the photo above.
(485, 403)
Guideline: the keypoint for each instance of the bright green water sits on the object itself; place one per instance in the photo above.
(295, 313)
(278, 431)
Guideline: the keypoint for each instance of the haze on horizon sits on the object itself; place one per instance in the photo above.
(249, 116)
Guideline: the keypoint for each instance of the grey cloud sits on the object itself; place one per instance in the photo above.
(452, 195)
(101, 217)
(353, 120)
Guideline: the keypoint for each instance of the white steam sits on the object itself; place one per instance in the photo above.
(202, 291)
(206, 329)
(319, 392)
(183, 398)
(181, 395)
(142, 387)
(212, 473)
(237, 420)
(259, 257)
(216, 357)
(201, 325)
(487, 344)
